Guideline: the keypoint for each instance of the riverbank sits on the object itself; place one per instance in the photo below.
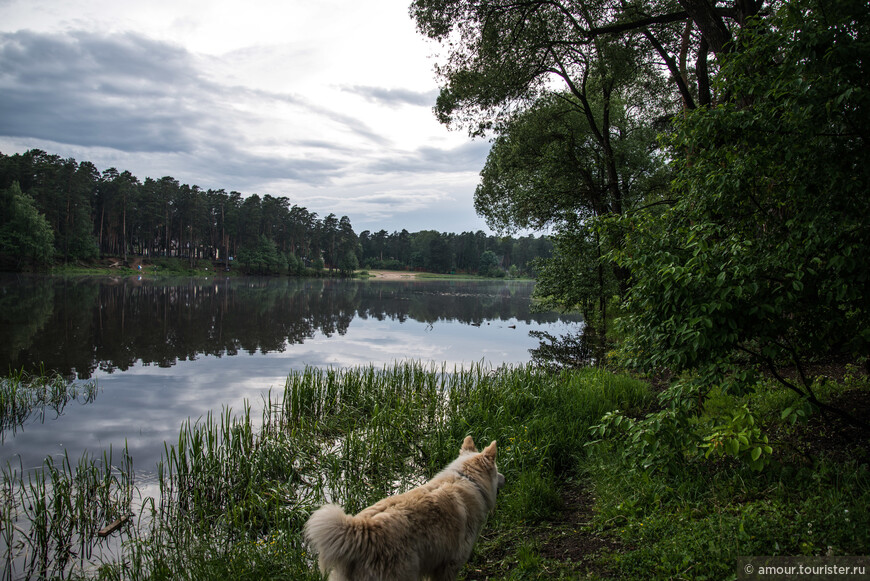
(236, 489)
(178, 267)
(390, 274)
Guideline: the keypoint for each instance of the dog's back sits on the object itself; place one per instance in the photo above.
(428, 532)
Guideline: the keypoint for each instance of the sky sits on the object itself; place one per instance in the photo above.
(325, 102)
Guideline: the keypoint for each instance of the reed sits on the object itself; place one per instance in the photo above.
(51, 517)
(24, 395)
(235, 489)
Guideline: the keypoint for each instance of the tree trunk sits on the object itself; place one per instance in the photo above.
(704, 95)
(124, 231)
(709, 22)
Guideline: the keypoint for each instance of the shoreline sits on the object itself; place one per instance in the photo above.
(392, 274)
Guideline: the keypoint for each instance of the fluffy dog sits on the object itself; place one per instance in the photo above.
(425, 533)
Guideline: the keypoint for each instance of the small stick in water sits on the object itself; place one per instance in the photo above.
(112, 527)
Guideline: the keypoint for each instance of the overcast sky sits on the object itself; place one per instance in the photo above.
(326, 102)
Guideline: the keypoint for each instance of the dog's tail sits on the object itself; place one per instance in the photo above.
(330, 533)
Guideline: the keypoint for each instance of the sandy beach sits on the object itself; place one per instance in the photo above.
(392, 274)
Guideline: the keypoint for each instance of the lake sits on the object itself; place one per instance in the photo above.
(162, 351)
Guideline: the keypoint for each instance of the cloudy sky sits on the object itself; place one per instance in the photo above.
(326, 102)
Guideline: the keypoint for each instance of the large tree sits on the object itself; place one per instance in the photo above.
(574, 100)
(503, 54)
(549, 169)
(762, 260)
(25, 234)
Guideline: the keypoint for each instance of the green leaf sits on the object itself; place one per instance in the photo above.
(733, 447)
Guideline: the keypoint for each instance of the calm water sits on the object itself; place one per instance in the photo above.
(164, 351)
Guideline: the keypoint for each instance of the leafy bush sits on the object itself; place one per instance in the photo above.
(758, 265)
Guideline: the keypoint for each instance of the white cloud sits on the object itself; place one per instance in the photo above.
(328, 103)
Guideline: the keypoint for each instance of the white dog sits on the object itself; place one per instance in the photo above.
(425, 533)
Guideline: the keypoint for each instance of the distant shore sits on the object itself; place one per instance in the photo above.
(392, 274)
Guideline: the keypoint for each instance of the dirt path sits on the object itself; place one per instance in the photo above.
(566, 545)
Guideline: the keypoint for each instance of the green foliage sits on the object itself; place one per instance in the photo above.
(549, 167)
(661, 441)
(500, 57)
(695, 523)
(25, 234)
(760, 259)
(489, 265)
(575, 277)
(690, 425)
(740, 437)
(347, 263)
(295, 266)
(263, 258)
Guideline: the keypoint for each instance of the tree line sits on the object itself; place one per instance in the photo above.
(705, 168)
(468, 252)
(54, 209)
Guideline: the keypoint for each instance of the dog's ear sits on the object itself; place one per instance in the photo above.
(468, 445)
(490, 451)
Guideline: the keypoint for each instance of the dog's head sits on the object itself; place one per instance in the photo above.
(483, 464)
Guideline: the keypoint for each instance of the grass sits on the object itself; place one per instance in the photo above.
(24, 395)
(156, 266)
(50, 519)
(236, 487)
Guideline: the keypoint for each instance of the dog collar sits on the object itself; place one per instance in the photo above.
(476, 484)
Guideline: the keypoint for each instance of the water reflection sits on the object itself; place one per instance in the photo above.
(165, 351)
(76, 326)
(24, 397)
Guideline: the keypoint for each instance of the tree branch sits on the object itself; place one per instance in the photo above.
(709, 21)
(672, 66)
(651, 20)
(808, 395)
(703, 73)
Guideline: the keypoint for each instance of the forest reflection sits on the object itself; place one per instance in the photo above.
(78, 325)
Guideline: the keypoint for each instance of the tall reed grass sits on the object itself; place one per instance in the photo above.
(235, 492)
(50, 518)
(24, 395)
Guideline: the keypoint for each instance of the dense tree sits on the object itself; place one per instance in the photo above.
(262, 234)
(502, 55)
(548, 169)
(751, 261)
(573, 91)
(25, 235)
(348, 248)
(62, 191)
(262, 258)
(762, 259)
(489, 264)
